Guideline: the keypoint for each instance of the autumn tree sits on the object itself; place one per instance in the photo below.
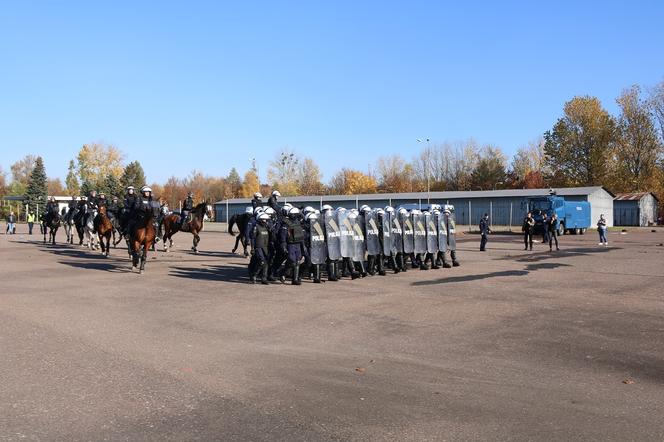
(283, 173)
(352, 182)
(395, 174)
(133, 175)
(233, 184)
(490, 170)
(96, 161)
(250, 184)
(639, 148)
(54, 187)
(529, 159)
(21, 171)
(309, 178)
(3, 182)
(581, 145)
(73, 187)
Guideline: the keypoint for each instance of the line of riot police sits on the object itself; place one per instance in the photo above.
(289, 242)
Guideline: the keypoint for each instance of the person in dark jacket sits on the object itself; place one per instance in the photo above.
(485, 229)
(272, 201)
(552, 228)
(128, 206)
(187, 206)
(527, 229)
(291, 240)
(257, 200)
(261, 236)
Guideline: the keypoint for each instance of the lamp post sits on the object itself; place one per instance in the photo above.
(427, 168)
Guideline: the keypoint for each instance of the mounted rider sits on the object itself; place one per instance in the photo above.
(102, 201)
(52, 210)
(127, 209)
(272, 202)
(143, 205)
(113, 209)
(90, 206)
(257, 200)
(187, 207)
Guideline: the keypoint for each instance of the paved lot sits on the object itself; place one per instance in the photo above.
(513, 345)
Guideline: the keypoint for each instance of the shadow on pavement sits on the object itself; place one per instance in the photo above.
(233, 274)
(529, 268)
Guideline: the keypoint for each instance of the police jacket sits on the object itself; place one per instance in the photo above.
(272, 202)
(144, 205)
(528, 224)
(112, 207)
(188, 204)
(51, 207)
(260, 237)
(91, 202)
(129, 201)
(256, 202)
(72, 204)
(102, 202)
(484, 227)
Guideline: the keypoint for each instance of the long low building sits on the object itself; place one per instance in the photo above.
(505, 207)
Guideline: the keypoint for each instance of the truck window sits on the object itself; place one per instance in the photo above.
(541, 206)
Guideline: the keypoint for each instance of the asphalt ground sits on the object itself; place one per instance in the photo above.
(512, 345)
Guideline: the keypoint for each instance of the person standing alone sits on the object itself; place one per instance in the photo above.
(552, 228)
(527, 228)
(484, 231)
(31, 221)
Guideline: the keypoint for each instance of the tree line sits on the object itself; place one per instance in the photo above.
(586, 146)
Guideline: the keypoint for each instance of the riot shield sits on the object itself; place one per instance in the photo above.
(385, 219)
(451, 231)
(420, 232)
(432, 233)
(372, 232)
(346, 228)
(397, 234)
(442, 232)
(332, 235)
(358, 238)
(408, 233)
(317, 246)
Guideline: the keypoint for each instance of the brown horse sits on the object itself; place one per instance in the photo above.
(171, 225)
(142, 240)
(104, 228)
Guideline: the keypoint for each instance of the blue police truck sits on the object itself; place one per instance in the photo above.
(573, 216)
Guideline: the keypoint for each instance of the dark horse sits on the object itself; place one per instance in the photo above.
(242, 220)
(52, 224)
(104, 228)
(171, 224)
(142, 239)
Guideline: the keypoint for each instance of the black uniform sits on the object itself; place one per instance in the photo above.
(272, 202)
(127, 209)
(552, 228)
(187, 206)
(527, 228)
(261, 236)
(484, 231)
(256, 202)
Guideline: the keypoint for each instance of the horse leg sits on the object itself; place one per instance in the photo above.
(244, 246)
(144, 257)
(237, 244)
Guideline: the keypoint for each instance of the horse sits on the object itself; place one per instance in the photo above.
(142, 239)
(171, 224)
(87, 229)
(69, 221)
(104, 228)
(52, 224)
(241, 220)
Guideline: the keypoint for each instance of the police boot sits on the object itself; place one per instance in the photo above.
(371, 265)
(381, 270)
(455, 263)
(317, 274)
(446, 263)
(413, 261)
(423, 263)
(393, 262)
(401, 262)
(363, 271)
(296, 275)
(331, 275)
(434, 262)
(264, 280)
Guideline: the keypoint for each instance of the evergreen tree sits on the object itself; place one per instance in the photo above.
(36, 192)
(133, 175)
(73, 187)
(113, 186)
(234, 183)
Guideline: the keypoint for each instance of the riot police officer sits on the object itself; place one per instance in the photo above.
(257, 200)
(187, 206)
(260, 244)
(127, 208)
(272, 201)
(485, 229)
(291, 238)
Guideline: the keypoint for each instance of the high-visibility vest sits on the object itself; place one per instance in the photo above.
(31, 218)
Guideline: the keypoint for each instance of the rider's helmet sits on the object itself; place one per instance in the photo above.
(130, 189)
(327, 207)
(258, 195)
(190, 194)
(276, 193)
(146, 189)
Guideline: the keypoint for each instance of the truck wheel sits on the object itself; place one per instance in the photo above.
(561, 229)
(583, 231)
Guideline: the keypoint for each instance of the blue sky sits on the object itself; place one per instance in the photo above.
(210, 85)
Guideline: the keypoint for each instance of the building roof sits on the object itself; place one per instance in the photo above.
(438, 196)
(633, 196)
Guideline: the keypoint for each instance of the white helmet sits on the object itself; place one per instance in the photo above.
(294, 211)
(449, 208)
(310, 216)
(389, 209)
(288, 205)
(130, 187)
(434, 207)
(258, 209)
(263, 217)
(341, 209)
(270, 211)
(146, 189)
(308, 209)
(249, 209)
(403, 210)
(276, 193)
(416, 212)
(327, 207)
(258, 195)
(365, 208)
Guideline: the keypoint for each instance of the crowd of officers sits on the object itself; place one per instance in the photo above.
(122, 216)
(549, 230)
(294, 242)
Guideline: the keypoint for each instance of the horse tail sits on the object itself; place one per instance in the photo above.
(231, 223)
